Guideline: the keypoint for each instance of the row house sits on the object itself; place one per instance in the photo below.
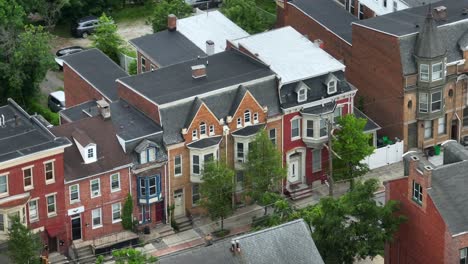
(433, 198)
(200, 35)
(32, 176)
(364, 9)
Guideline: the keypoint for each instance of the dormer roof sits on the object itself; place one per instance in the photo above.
(197, 103)
(241, 91)
(82, 138)
(145, 144)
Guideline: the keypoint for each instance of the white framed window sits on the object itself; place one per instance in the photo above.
(417, 192)
(424, 72)
(194, 134)
(337, 114)
(212, 131)
(464, 256)
(115, 182)
(436, 101)
(272, 135)
(143, 64)
(49, 171)
(385, 3)
(309, 128)
(441, 129)
(33, 210)
(239, 122)
(116, 213)
(51, 205)
(28, 178)
(332, 87)
(152, 186)
(97, 218)
(255, 118)
(95, 186)
(202, 129)
(316, 160)
(295, 128)
(196, 164)
(427, 129)
(247, 117)
(151, 154)
(323, 127)
(74, 193)
(3, 185)
(423, 103)
(240, 152)
(178, 165)
(145, 213)
(90, 153)
(195, 194)
(437, 71)
(302, 95)
(142, 187)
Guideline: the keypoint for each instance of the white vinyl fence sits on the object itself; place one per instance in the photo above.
(125, 61)
(385, 156)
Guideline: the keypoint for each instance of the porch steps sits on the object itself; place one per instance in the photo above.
(85, 255)
(57, 258)
(165, 230)
(184, 223)
(302, 192)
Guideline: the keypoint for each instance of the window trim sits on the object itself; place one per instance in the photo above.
(175, 165)
(419, 192)
(202, 129)
(330, 86)
(91, 187)
(239, 122)
(49, 181)
(6, 185)
(120, 213)
(100, 218)
(255, 118)
(314, 169)
(142, 64)
(193, 164)
(90, 151)
(36, 201)
(70, 193)
(31, 186)
(194, 134)
(194, 204)
(302, 97)
(247, 117)
(272, 139)
(426, 109)
(211, 130)
(54, 213)
(426, 127)
(444, 118)
(298, 120)
(307, 128)
(240, 152)
(118, 180)
(439, 101)
(441, 71)
(424, 73)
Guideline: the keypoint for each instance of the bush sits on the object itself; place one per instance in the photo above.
(127, 222)
(132, 68)
(35, 107)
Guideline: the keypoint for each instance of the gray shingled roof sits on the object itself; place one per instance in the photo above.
(287, 243)
(330, 14)
(429, 44)
(167, 47)
(370, 125)
(205, 143)
(197, 103)
(415, 3)
(25, 134)
(241, 91)
(248, 131)
(97, 69)
(320, 109)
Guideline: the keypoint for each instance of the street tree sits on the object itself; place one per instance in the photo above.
(351, 145)
(216, 190)
(132, 256)
(166, 7)
(107, 39)
(248, 16)
(127, 221)
(264, 170)
(23, 245)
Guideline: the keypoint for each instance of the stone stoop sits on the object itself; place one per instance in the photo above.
(57, 258)
(184, 223)
(165, 230)
(85, 255)
(301, 192)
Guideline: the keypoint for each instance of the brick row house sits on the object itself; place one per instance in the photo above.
(433, 198)
(364, 9)
(32, 176)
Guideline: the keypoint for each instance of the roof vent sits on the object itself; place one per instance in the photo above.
(210, 47)
(104, 109)
(440, 13)
(414, 158)
(198, 71)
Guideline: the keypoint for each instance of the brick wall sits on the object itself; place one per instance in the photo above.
(148, 63)
(77, 90)
(141, 103)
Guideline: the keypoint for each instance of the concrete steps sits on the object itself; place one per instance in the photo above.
(57, 258)
(184, 223)
(85, 255)
(300, 193)
(165, 230)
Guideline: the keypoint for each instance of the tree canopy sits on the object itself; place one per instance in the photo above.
(166, 7)
(248, 16)
(107, 39)
(23, 245)
(132, 256)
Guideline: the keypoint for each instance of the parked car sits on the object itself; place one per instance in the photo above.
(64, 52)
(84, 27)
(56, 101)
(204, 4)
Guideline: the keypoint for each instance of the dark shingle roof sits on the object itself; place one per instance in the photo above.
(98, 69)
(320, 109)
(167, 47)
(25, 134)
(197, 103)
(205, 143)
(330, 14)
(287, 243)
(175, 82)
(248, 131)
(241, 91)
(370, 125)
(429, 44)
(454, 152)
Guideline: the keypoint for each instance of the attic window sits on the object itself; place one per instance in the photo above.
(148, 155)
(202, 129)
(194, 134)
(302, 95)
(332, 87)
(247, 117)
(212, 130)
(90, 153)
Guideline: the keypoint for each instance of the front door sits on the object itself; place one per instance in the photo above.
(178, 202)
(52, 244)
(76, 227)
(293, 173)
(454, 130)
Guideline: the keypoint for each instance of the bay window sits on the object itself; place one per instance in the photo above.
(437, 71)
(423, 103)
(424, 72)
(323, 127)
(310, 128)
(436, 101)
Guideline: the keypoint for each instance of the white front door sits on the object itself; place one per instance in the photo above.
(293, 171)
(178, 202)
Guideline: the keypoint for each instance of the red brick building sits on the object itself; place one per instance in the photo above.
(433, 198)
(31, 177)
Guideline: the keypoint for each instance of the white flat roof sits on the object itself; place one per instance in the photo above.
(210, 26)
(290, 55)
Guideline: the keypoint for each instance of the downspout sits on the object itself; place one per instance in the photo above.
(282, 152)
(130, 176)
(168, 200)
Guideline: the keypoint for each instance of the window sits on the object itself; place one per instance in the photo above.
(143, 64)
(202, 129)
(3, 184)
(240, 152)
(247, 117)
(196, 164)
(463, 256)
(27, 176)
(2, 223)
(97, 218)
(255, 118)
(316, 160)
(152, 186)
(152, 67)
(239, 122)
(395, 6)
(145, 213)
(115, 182)
(272, 134)
(436, 101)
(33, 211)
(212, 132)
(194, 134)
(302, 95)
(436, 71)
(424, 72)
(178, 165)
(310, 128)
(116, 212)
(74, 193)
(142, 187)
(361, 11)
(428, 129)
(442, 125)
(423, 103)
(239, 181)
(323, 127)
(417, 192)
(195, 193)
(90, 153)
(95, 188)
(332, 85)
(295, 128)
(49, 171)
(337, 114)
(385, 3)
(148, 155)
(51, 208)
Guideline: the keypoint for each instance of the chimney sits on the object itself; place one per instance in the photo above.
(198, 71)
(440, 13)
(104, 108)
(319, 43)
(210, 47)
(171, 22)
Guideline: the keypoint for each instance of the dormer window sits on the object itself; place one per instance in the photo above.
(332, 87)
(247, 117)
(424, 72)
(194, 134)
(148, 155)
(437, 71)
(212, 130)
(302, 95)
(90, 153)
(202, 129)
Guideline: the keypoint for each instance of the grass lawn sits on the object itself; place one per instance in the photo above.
(135, 12)
(267, 5)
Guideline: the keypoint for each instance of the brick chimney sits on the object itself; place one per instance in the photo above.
(104, 108)
(440, 13)
(210, 47)
(171, 22)
(198, 71)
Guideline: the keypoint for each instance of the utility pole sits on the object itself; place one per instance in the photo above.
(330, 157)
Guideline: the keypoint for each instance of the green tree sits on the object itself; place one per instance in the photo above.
(23, 245)
(248, 16)
(127, 220)
(264, 170)
(132, 256)
(351, 145)
(216, 190)
(50, 10)
(107, 39)
(166, 7)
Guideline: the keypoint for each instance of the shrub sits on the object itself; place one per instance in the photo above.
(35, 107)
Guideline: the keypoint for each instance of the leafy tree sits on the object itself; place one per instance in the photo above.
(107, 39)
(263, 169)
(12, 17)
(352, 146)
(216, 190)
(132, 256)
(248, 16)
(166, 7)
(23, 245)
(127, 221)
(50, 10)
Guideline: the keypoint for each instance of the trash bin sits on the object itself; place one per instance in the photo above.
(437, 150)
